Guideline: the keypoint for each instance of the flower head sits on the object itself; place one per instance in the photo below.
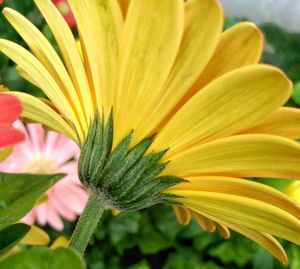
(166, 107)
(48, 153)
(10, 110)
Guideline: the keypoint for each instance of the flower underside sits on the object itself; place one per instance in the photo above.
(125, 178)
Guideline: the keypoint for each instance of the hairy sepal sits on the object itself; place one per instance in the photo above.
(125, 178)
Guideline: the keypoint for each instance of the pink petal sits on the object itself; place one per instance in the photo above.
(10, 108)
(63, 209)
(65, 10)
(30, 217)
(10, 136)
(41, 213)
(24, 148)
(54, 219)
(74, 196)
(37, 135)
(65, 149)
(71, 169)
(50, 142)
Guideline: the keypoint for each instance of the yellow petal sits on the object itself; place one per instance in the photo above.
(233, 102)
(36, 236)
(263, 239)
(149, 45)
(37, 111)
(99, 25)
(240, 187)
(46, 54)
(243, 211)
(283, 122)
(32, 66)
(182, 214)
(223, 231)
(207, 224)
(60, 241)
(239, 46)
(71, 55)
(197, 46)
(124, 4)
(29, 77)
(240, 156)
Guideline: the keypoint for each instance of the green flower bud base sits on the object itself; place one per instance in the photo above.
(125, 179)
(122, 178)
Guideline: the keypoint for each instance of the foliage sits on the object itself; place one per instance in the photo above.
(19, 193)
(11, 236)
(153, 239)
(44, 258)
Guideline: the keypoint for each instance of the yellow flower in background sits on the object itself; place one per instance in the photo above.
(165, 68)
(35, 237)
(38, 237)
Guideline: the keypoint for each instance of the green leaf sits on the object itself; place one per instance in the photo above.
(122, 228)
(149, 239)
(282, 49)
(141, 265)
(236, 250)
(12, 235)
(296, 94)
(19, 192)
(265, 258)
(166, 222)
(279, 184)
(295, 257)
(43, 258)
(205, 240)
(191, 230)
(184, 258)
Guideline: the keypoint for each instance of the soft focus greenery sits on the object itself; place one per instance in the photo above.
(152, 238)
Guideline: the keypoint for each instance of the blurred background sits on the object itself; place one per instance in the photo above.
(153, 238)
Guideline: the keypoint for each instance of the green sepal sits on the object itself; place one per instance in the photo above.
(125, 178)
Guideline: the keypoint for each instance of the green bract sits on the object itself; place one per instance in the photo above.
(124, 178)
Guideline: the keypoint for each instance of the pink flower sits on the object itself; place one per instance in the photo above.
(48, 153)
(10, 110)
(65, 10)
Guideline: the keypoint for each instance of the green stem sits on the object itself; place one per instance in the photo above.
(87, 223)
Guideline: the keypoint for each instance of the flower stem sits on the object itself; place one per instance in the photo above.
(87, 223)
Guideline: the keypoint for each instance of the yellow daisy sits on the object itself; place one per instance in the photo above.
(167, 108)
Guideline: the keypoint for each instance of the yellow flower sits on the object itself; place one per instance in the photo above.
(166, 68)
(35, 237)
